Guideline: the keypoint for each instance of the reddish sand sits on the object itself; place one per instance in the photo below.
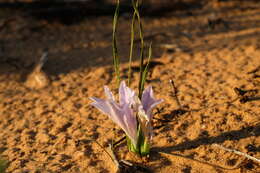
(54, 129)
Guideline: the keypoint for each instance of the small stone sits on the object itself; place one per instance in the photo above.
(78, 155)
(42, 138)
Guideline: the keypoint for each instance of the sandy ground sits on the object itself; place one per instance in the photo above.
(208, 51)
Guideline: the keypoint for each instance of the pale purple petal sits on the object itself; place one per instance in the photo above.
(125, 120)
(108, 93)
(101, 105)
(131, 123)
(126, 95)
(149, 102)
(109, 108)
(122, 115)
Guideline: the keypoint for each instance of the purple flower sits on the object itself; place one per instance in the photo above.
(145, 111)
(129, 110)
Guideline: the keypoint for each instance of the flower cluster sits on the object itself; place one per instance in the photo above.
(131, 114)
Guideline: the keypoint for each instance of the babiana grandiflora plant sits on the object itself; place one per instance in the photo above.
(133, 112)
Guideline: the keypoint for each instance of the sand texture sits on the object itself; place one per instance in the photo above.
(207, 51)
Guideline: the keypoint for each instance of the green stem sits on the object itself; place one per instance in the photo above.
(142, 147)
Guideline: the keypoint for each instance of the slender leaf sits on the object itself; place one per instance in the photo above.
(115, 51)
(131, 48)
(145, 72)
(135, 6)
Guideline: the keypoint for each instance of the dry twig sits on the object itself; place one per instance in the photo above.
(237, 152)
(111, 154)
(175, 94)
